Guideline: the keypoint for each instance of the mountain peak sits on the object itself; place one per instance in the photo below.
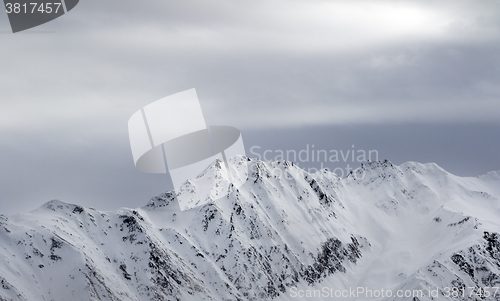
(58, 205)
(399, 227)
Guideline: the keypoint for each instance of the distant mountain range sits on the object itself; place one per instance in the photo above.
(284, 235)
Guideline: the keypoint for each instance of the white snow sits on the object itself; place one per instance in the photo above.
(408, 219)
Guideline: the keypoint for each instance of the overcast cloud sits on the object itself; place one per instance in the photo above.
(398, 76)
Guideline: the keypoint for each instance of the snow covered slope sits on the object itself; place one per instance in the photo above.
(406, 227)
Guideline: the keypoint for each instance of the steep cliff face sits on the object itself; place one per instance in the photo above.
(384, 226)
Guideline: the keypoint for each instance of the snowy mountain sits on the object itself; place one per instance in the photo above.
(284, 235)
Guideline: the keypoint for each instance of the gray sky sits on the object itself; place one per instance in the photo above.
(415, 80)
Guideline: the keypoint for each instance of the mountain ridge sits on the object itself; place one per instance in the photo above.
(283, 228)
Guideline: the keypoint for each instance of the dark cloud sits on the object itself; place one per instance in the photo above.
(67, 88)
